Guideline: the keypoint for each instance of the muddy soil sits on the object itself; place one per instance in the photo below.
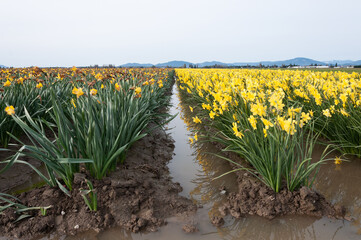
(18, 173)
(138, 196)
(255, 198)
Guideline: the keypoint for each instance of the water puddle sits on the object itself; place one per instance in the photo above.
(194, 170)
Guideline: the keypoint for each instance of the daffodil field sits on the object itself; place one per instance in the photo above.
(94, 115)
(84, 120)
(273, 118)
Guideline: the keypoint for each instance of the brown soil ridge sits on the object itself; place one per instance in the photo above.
(138, 196)
(255, 198)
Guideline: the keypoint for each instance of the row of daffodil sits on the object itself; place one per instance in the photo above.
(96, 115)
(30, 88)
(333, 98)
(260, 113)
(262, 92)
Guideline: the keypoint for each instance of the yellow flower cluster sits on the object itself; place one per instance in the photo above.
(22, 75)
(10, 110)
(283, 98)
(83, 80)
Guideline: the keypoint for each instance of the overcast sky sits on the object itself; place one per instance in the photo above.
(67, 33)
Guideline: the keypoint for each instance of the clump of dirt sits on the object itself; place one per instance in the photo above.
(190, 228)
(138, 196)
(255, 198)
(217, 221)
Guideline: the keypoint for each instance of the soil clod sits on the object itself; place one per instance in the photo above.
(255, 198)
(190, 228)
(217, 221)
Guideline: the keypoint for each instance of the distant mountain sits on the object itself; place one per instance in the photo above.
(137, 65)
(339, 62)
(344, 62)
(173, 64)
(213, 63)
(354, 63)
(2, 66)
(295, 61)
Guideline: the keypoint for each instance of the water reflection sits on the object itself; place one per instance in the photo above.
(339, 185)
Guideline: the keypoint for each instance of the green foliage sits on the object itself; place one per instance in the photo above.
(342, 130)
(93, 129)
(10, 202)
(59, 161)
(280, 159)
(90, 196)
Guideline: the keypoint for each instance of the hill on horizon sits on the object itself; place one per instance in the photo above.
(299, 61)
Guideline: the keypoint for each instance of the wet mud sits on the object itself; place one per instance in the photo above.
(255, 198)
(138, 196)
(18, 174)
